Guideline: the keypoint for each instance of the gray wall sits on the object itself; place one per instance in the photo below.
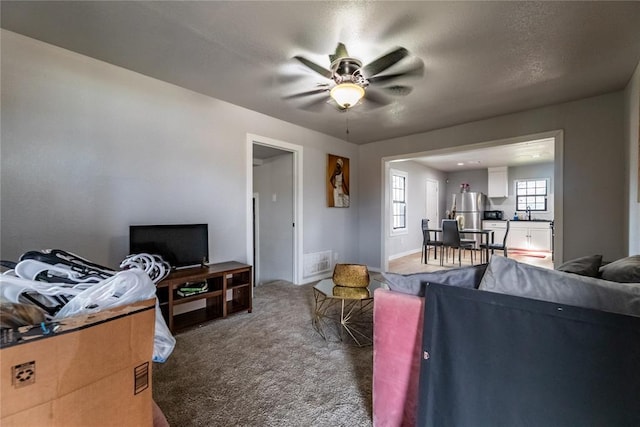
(89, 148)
(274, 178)
(594, 165)
(477, 179)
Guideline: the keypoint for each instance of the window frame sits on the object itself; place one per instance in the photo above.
(538, 200)
(395, 231)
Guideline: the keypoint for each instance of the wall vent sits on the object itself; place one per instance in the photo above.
(317, 263)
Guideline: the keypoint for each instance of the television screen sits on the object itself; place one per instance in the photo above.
(180, 245)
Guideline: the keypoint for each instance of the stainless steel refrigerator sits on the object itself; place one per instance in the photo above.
(470, 206)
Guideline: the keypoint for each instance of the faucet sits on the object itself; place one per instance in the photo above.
(528, 211)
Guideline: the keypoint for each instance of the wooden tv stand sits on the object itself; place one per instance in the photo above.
(230, 291)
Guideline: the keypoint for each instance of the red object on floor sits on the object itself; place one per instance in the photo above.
(531, 254)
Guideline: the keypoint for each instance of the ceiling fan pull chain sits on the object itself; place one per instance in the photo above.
(347, 119)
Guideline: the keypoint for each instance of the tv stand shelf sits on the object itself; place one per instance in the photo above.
(229, 291)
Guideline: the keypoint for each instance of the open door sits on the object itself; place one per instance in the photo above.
(432, 207)
(274, 241)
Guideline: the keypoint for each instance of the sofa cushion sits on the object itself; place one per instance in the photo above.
(584, 266)
(507, 276)
(625, 270)
(413, 284)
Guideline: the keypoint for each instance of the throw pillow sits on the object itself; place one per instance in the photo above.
(507, 276)
(413, 284)
(626, 270)
(585, 266)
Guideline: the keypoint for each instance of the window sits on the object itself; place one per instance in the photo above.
(398, 201)
(531, 193)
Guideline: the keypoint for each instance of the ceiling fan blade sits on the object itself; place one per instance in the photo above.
(341, 52)
(398, 90)
(307, 93)
(415, 71)
(290, 78)
(375, 99)
(315, 105)
(384, 62)
(315, 67)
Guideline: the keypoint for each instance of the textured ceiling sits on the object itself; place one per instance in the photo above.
(514, 154)
(481, 59)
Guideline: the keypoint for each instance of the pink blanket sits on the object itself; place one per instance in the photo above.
(397, 343)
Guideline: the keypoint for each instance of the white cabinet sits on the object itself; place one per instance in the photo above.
(518, 237)
(498, 227)
(540, 238)
(498, 185)
(530, 235)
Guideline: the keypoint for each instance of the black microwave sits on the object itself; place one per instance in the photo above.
(493, 214)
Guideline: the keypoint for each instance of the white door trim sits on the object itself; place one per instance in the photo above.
(297, 151)
(255, 234)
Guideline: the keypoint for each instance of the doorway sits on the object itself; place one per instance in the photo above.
(432, 210)
(275, 185)
(558, 151)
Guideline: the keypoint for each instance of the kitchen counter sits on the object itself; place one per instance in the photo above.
(532, 220)
(519, 220)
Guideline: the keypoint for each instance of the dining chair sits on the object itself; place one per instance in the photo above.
(427, 242)
(463, 237)
(499, 246)
(451, 239)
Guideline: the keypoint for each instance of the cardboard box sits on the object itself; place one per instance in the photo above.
(94, 370)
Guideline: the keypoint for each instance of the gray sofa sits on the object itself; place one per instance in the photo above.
(509, 344)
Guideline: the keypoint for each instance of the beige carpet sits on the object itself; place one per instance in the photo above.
(265, 368)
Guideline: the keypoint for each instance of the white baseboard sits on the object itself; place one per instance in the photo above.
(315, 278)
(402, 254)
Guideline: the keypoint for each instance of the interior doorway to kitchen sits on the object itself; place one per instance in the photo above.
(390, 246)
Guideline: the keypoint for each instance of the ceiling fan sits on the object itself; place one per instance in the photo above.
(350, 81)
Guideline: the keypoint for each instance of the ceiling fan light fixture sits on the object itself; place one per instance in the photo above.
(347, 94)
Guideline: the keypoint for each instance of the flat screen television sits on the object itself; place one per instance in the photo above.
(181, 245)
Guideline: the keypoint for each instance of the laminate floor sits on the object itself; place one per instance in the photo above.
(413, 263)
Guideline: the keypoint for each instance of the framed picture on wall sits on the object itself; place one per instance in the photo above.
(337, 181)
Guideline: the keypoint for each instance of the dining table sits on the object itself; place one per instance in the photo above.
(485, 234)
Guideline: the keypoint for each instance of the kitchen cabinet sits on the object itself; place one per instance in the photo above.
(532, 235)
(499, 229)
(498, 185)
